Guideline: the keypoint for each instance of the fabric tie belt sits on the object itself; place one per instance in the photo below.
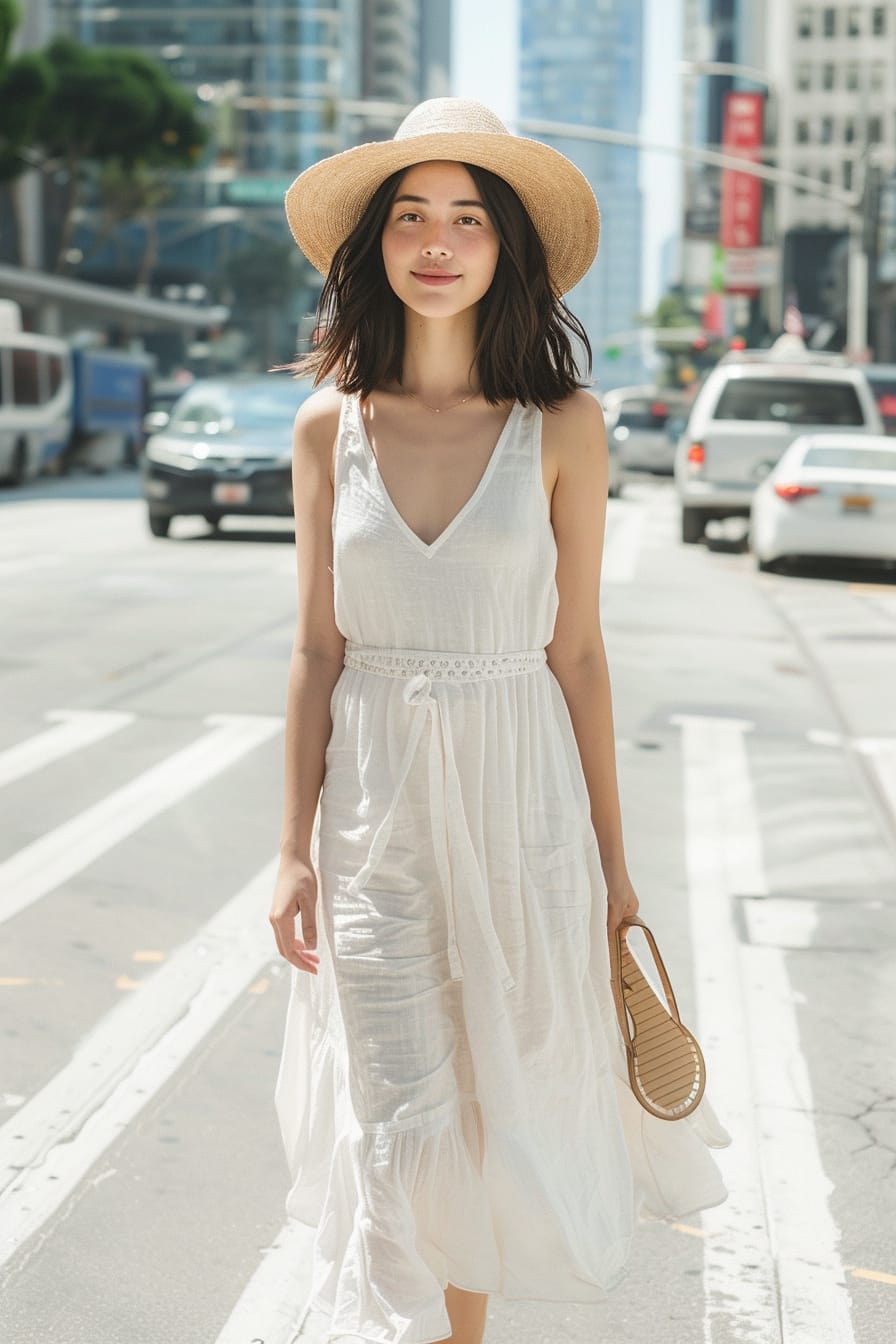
(456, 857)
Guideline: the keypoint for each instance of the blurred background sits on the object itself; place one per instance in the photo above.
(147, 148)
(741, 316)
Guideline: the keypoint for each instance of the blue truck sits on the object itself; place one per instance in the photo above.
(111, 395)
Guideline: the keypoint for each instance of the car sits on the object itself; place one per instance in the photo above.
(637, 424)
(750, 409)
(226, 448)
(831, 495)
(882, 379)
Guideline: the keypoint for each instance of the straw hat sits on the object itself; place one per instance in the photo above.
(326, 202)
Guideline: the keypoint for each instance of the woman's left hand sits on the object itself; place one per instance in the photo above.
(621, 902)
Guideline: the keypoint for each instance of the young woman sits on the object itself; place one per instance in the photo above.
(452, 1089)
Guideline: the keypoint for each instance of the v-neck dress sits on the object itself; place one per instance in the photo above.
(452, 1091)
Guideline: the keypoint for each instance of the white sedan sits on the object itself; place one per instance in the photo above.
(831, 494)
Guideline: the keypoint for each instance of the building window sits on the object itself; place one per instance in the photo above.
(829, 27)
(847, 175)
(878, 76)
(802, 132)
(804, 22)
(824, 175)
(879, 20)
(852, 76)
(849, 130)
(804, 77)
(802, 171)
(875, 130)
(827, 130)
(854, 21)
(827, 75)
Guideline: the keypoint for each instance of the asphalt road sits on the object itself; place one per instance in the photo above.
(141, 1003)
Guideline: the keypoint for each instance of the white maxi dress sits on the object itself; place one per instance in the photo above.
(452, 1091)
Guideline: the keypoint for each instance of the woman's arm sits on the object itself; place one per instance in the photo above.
(315, 665)
(575, 447)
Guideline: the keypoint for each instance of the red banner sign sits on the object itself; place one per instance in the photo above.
(741, 192)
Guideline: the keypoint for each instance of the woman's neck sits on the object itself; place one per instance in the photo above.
(438, 355)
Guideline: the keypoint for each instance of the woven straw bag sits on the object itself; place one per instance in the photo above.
(666, 1069)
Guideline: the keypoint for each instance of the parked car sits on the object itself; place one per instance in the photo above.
(882, 379)
(750, 409)
(225, 449)
(637, 423)
(830, 495)
(614, 472)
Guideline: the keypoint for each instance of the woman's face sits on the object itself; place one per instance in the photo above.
(440, 248)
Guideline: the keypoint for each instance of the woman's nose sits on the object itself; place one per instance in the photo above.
(436, 245)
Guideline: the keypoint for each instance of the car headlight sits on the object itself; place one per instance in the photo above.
(170, 453)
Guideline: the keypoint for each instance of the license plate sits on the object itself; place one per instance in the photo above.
(857, 503)
(231, 492)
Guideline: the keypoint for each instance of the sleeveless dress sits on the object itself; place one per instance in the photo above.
(452, 1091)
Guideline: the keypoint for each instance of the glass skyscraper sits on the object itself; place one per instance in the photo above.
(580, 63)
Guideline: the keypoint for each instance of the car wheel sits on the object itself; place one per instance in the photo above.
(767, 566)
(693, 525)
(213, 519)
(159, 523)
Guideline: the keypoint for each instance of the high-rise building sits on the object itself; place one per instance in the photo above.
(276, 83)
(580, 63)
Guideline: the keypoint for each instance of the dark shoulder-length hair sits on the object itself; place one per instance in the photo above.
(524, 347)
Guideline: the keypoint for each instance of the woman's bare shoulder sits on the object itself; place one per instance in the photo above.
(318, 416)
(573, 429)
(316, 426)
(576, 414)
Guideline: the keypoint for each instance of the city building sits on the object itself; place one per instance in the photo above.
(580, 63)
(828, 74)
(832, 73)
(278, 85)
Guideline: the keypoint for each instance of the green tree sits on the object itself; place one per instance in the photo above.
(110, 105)
(81, 110)
(24, 82)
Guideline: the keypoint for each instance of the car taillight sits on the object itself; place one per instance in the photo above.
(794, 492)
(696, 455)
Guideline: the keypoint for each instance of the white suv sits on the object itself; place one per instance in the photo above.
(751, 407)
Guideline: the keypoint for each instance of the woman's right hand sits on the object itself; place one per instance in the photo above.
(295, 898)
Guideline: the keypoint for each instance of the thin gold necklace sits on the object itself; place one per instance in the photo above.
(438, 410)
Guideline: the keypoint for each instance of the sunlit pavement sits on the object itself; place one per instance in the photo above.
(141, 768)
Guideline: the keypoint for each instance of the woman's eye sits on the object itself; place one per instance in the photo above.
(468, 219)
(408, 214)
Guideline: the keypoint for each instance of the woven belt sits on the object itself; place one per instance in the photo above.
(456, 857)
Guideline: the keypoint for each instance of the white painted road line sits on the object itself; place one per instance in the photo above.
(50, 1144)
(772, 1268)
(622, 544)
(274, 1300)
(76, 728)
(40, 867)
(880, 752)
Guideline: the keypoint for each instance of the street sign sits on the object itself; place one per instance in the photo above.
(752, 267)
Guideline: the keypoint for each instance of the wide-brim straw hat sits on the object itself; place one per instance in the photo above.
(326, 201)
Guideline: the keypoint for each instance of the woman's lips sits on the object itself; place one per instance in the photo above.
(441, 279)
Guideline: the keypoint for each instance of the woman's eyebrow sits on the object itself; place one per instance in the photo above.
(422, 200)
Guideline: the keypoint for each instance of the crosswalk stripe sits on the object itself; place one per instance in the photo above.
(772, 1270)
(76, 728)
(622, 544)
(54, 858)
(51, 1142)
(271, 1307)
